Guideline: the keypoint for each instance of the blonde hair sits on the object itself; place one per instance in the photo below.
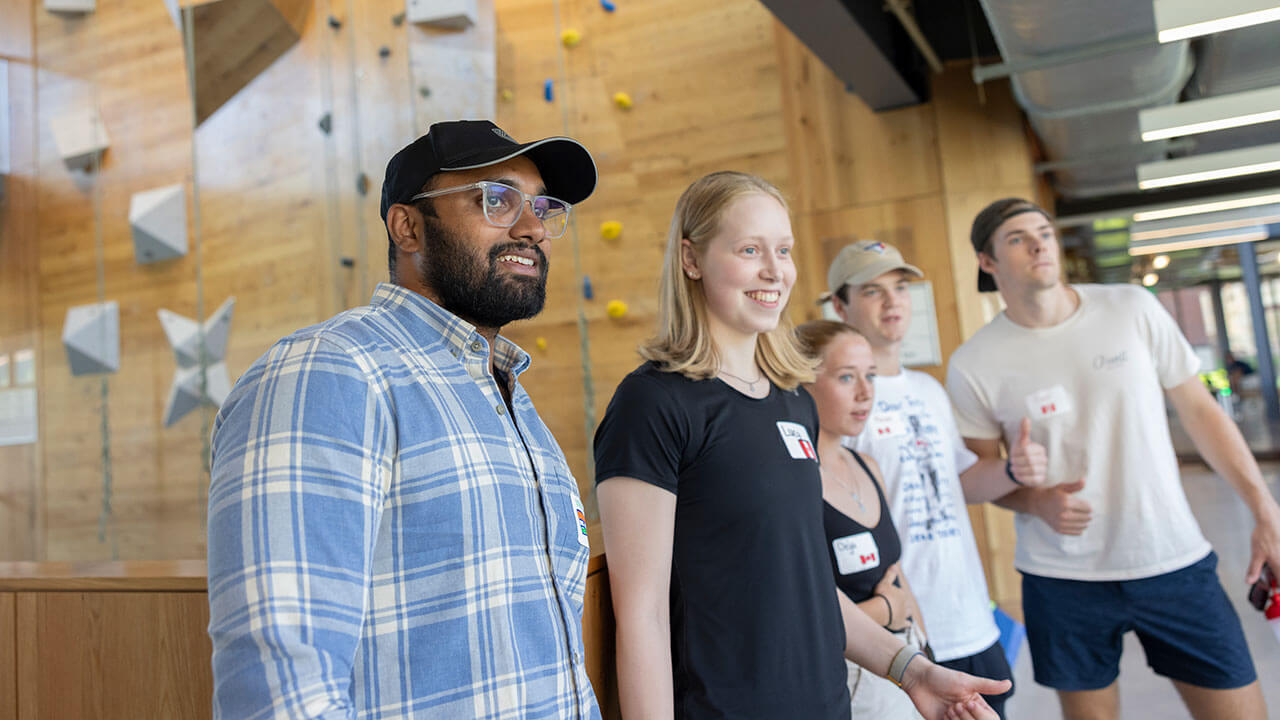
(683, 342)
(815, 336)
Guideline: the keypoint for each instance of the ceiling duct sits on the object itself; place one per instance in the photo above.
(864, 46)
(1089, 105)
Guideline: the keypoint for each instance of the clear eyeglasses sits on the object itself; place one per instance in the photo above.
(503, 205)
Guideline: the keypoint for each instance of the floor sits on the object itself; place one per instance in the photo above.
(1226, 523)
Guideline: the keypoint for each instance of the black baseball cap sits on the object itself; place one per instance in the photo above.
(988, 221)
(567, 168)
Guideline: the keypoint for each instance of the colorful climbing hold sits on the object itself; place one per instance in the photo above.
(570, 37)
(616, 309)
(548, 90)
(540, 343)
(608, 6)
(622, 100)
(587, 292)
(507, 95)
(610, 229)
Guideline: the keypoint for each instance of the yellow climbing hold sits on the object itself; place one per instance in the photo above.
(616, 309)
(610, 229)
(570, 37)
(507, 95)
(622, 100)
(540, 343)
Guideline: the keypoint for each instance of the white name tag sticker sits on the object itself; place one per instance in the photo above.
(856, 553)
(886, 425)
(1048, 403)
(580, 515)
(796, 438)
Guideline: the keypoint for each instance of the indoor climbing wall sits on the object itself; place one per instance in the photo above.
(130, 190)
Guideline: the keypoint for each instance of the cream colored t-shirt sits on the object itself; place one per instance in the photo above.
(1093, 386)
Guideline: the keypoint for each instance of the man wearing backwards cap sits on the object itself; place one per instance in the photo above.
(928, 473)
(1109, 544)
(393, 531)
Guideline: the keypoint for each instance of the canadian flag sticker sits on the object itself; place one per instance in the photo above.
(796, 438)
(1048, 403)
(855, 553)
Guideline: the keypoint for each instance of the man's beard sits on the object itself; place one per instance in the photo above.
(473, 289)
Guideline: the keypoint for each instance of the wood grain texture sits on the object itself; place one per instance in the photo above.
(8, 657)
(598, 638)
(984, 155)
(113, 655)
(134, 575)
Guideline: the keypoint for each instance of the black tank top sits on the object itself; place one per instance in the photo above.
(860, 556)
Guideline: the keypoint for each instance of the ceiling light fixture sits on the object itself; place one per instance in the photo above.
(1210, 166)
(1230, 220)
(1199, 240)
(1214, 113)
(1182, 19)
(1233, 203)
(1160, 262)
(1150, 279)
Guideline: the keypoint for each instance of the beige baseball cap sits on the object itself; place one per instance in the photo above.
(865, 261)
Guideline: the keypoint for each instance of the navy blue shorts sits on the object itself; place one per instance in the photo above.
(989, 663)
(1187, 627)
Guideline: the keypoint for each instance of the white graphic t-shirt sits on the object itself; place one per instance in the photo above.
(912, 435)
(1093, 386)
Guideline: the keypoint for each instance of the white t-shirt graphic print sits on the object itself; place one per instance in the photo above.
(912, 435)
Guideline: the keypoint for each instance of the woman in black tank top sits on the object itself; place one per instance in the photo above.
(862, 542)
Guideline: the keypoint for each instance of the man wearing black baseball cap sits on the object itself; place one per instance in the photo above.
(393, 531)
(1109, 543)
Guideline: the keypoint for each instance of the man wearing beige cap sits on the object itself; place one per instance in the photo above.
(912, 434)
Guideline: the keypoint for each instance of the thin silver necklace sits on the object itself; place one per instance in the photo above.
(857, 497)
(751, 384)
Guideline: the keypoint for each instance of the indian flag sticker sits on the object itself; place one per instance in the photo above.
(582, 522)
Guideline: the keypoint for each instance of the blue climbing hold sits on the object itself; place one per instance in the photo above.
(548, 91)
(587, 292)
(608, 6)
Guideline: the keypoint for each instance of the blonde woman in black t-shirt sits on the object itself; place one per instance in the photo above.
(862, 541)
(710, 495)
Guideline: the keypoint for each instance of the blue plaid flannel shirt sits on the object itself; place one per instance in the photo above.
(384, 541)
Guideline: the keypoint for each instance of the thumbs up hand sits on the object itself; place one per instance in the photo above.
(1027, 459)
(1062, 509)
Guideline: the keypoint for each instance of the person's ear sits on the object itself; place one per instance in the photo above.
(404, 225)
(986, 263)
(689, 260)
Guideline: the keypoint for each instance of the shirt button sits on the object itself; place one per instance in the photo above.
(501, 410)
(477, 346)
(577, 657)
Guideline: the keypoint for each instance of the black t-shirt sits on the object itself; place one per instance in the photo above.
(755, 627)
(859, 555)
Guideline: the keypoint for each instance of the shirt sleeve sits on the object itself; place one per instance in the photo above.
(302, 453)
(974, 417)
(643, 434)
(1175, 360)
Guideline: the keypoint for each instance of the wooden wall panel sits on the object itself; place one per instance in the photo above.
(113, 655)
(8, 657)
(705, 92)
(984, 156)
(598, 639)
